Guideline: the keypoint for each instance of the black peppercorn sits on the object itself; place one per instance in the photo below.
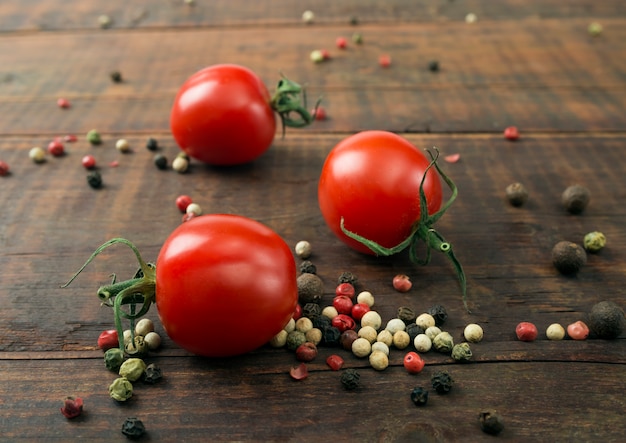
(419, 396)
(433, 66)
(407, 315)
(116, 77)
(490, 422)
(310, 288)
(331, 336)
(133, 428)
(516, 194)
(160, 161)
(575, 199)
(413, 329)
(312, 311)
(350, 379)
(307, 267)
(348, 277)
(94, 179)
(439, 313)
(442, 382)
(568, 257)
(152, 374)
(152, 144)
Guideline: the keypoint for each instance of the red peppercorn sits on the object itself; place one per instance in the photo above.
(325, 54)
(319, 113)
(298, 312)
(108, 339)
(307, 351)
(402, 283)
(335, 362)
(413, 363)
(89, 161)
(526, 331)
(72, 407)
(343, 322)
(578, 330)
(56, 148)
(345, 289)
(4, 169)
(70, 138)
(384, 61)
(341, 42)
(182, 201)
(511, 133)
(359, 310)
(299, 372)
(63, 103)
(343, 304)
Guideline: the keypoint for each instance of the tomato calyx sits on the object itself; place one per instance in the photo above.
(423, 231)
(137, 291)
(290, 99)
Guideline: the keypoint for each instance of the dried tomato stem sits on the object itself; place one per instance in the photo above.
(138, 290)
(290, 99)
(423, 231)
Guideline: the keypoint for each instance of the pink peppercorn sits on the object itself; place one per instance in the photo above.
(72, 407)
(402, 283)
(335, 362)
(341, 42)
(56, 148)
(319, 113)
(4, 169)
(70, 138)
(182, 201)
(89, 161)
(108, 339)
(511, 133)
(343, 322)
(526, 331)
(298, 312)
(384, 61)
(63, 103)
(413, 363)
(345, 289)
(359, 310)
(307, 351)
(343, 304)
(299, 372)
(578, 330)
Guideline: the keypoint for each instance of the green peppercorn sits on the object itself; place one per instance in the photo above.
(462, 352)
(350, 379)
(443, 342)
(490, 422)
(113, 359)
(594, 241)
(419, 396)
(121, 389)
(160, 161)
(133, 428)
(137, 347)
(294, 339)
(93, 137)
(152, 374)
(132, 369)
(442, 382)
(94, 179)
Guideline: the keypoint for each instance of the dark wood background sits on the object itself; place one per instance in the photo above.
(526, 63)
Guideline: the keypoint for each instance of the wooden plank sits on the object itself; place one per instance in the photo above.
(55, 221)
(237, 400)
(50, 15)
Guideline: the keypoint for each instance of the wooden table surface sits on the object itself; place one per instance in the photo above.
(532, 64)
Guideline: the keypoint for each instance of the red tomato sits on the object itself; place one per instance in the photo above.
(372, 180)
(222, 116)
(225, 285)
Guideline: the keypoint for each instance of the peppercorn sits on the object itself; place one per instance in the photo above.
(37, 154)
(365, 297)
(303, 249)
(160, 161)
(113, 359)
(295, 339)
(462, 352)
(94, 179)
(401, 339)
(180, 164)
(371, 318)
(314, 335)
(490, 422)
(422, 343)
(348, 277)
(606, 320)
(122, 145)
(137, 346)
(516, 194)
(319, 321)
(413, 330)
(152, 340)
(304, 324)
(575, 199)
(380, 346)
(578, 330)
(152, 374)
(306, 352)
(307, 267)
(331, 336)
(443, 342)
(116, 76)
(594, 241)
(350, 379)
(152, 144)
(406, 314)
(312, 311)
(419, 396)
(132, 369)
(379, 360)
(394, 325)
(439, 313)
(133, 428)
(442, 382)
(361, 347)
(555, 332)
(526, 331)
(385, 337)
(432, 332)
(347, 338)
(121, 389)
(368, 333)
(433, 66)
(330, 312)
(425, 321)
(310, 288)
(594, 29)
(93, 137)
(4, 169)
(279, 340)
(473, 333)
(357, 38)
(568, 257)
(72, 407)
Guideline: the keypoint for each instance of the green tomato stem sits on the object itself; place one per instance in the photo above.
(423, 231)
(290, 99)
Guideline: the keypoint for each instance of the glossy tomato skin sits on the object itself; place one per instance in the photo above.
(372, 180)
(225, 285)
(222, 116)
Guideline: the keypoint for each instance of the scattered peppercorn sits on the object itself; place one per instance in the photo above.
(72, 407)
(606, 320)
(594, 29)
(310, 288)
(473, 333)
(133, 428)
(152, 374)
(419, 396)
(307, 267)
(347, 338)
(93, 137)
(37, 154)
(193, 208)
(357, 38)
(443, 342)
(575, 199)
(56, 148)
(511, 133)
(314, 312)
(308, 17)
(379, 360)
(406, 314)
(116, 76)
(94, 179)
(331, 336)
(439, 313)
(295, 339)
(490, 422)
(180, 164)
(350, 379)
(132, 369)
(152, 144)
(442, 382)
(88, 161)
(299, 372)
(402, 283)
(568, 257)
(105, 21)
(413, 363)
(462, 352)
(317, 56)
(4, 169)
(422, 343)
(425, 321)
(152, 340)
(108, 339)
(303, 249)
(526, 331)
(160, 161)
(348, 277)
(371, 318)
(113, 359)
(578, 330)
(306, 352)
(516, 194)
(63, 103)
(121, 389)
(594, 241)
(555, 332)
(365, 297)
(334, 362)
(413, 330)
(433, 66)
(122, 145)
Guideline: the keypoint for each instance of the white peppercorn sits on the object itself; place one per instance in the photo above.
(365, 297)
(143, 326)
(385, 337)
(380, 346)
(304, 324)
(394, 325)
(303, 249)
(122, 145)
(432, 332)
(425, 321)
(361, 347)
(180, 164)
(379, 360)
(279, 340)
(153, 340)
(401, 339)
(368, 333)
(555, 332)
(422, 343)
(127, 336)
(290, 326)
(473, 333)
(314, 335)
(37, 154)
(330, 312)
(371, 318)
(193, 208)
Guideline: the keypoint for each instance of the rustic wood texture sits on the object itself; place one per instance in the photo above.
(525, 63)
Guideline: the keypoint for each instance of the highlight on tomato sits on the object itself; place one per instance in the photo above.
(224, 114)
(223, 285)
(379, 195)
